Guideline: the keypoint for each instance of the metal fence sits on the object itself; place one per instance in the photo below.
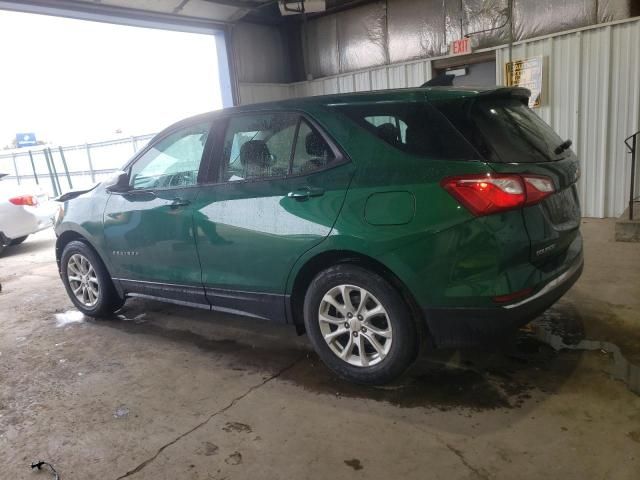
(60, 169)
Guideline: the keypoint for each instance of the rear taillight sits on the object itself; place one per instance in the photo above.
(29, 200)
(487, 194)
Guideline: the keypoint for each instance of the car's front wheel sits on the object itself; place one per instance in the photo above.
(87, 281)
(360, 325)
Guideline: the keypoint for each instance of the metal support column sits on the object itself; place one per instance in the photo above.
(55, 170)
(634, 154)
(33, 166)
(64, 164)
(15, 167)
(93, 175)
(51, 175)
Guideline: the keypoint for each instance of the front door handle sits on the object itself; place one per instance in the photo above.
(179, 202)
(305, 193)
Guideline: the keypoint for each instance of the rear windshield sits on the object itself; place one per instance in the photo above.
(503, 130)
(412, 127)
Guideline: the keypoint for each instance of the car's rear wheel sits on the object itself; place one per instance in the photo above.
(18, 241)
(360, 325)
(87, 281)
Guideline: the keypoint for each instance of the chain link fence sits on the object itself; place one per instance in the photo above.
(60, 169)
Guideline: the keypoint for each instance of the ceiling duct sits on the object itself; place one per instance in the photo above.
(296, 7)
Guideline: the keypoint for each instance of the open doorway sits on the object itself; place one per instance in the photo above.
(88, 94)
(475, 70)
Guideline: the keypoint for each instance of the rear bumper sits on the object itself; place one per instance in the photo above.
(456, 327)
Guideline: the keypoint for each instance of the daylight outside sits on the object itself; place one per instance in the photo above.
(320, 239)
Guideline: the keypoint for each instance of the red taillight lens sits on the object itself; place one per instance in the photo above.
(487, 194)
(29, 200)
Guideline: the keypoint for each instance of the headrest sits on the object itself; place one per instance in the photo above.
(314, 145)
(255, 152)
(388, 132)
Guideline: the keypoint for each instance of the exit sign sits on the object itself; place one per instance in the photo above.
(460, 47)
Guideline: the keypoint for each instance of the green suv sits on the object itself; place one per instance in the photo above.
(375, 222)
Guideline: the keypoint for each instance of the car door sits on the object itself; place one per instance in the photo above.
(149, 229)
(279, 184)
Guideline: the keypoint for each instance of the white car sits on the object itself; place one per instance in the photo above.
(23, 210)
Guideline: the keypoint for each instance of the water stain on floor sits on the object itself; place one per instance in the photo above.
(354, 463)
(552, 330)
(537, 360)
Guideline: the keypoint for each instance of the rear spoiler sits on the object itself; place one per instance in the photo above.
(446, 80)
(442, 80)
(516, 92)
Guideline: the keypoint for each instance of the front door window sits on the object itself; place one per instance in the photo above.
(173, 162)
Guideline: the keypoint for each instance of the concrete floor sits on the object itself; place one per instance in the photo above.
(170, 392)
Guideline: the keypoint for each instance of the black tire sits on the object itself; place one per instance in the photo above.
(405, 343)
(108, 300)
(18, 241)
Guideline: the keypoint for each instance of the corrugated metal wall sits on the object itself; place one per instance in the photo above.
(260, 53)
(592, 97)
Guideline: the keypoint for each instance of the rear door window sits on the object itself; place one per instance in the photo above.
(312, 151)
(258, 146)
(272, 145)
(412, 127)
(503, 130)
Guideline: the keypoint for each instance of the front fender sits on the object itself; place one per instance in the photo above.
(83, 216)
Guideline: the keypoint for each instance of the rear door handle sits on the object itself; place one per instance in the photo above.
(305, 193)
(179, 202)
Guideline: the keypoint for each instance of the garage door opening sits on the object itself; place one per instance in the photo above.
(87, 94)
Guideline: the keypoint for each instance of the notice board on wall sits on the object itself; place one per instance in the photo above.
(527, 73)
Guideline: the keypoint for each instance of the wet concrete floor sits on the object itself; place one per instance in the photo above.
(161, 391)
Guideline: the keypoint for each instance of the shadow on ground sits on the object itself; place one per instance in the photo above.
(30, 245)
(516, 373)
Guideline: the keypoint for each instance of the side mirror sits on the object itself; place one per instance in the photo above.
(119, 183)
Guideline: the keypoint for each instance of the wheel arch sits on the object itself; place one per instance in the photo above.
(69, 236)
(327, 259)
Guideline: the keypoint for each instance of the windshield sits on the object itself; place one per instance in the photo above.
(503, 130)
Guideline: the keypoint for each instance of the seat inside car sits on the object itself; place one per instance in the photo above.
(255, 158)
(389, 133)
(317, 150)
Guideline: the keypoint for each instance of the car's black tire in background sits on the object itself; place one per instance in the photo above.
(108, 299)
(406, 342)
(18, 241)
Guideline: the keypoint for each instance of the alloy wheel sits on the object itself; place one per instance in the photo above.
(83, 280)
(355, 325)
